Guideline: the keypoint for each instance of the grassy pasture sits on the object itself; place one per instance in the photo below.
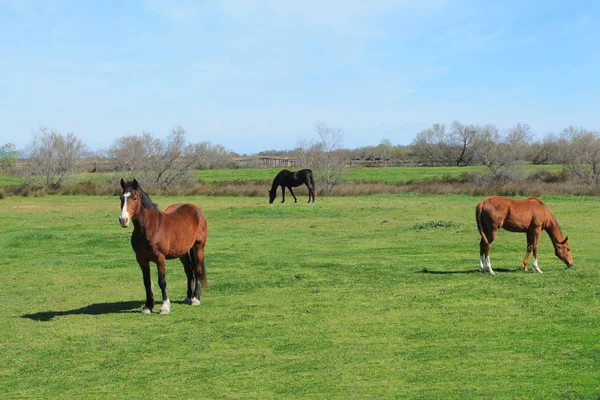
(372, 297)
(388, 175)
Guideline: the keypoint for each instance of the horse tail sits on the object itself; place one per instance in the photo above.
(478, 210)
(201, 270)
(312, 183)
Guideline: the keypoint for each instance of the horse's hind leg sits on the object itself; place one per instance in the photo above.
(292, 192)
(189, 272)
(484, 253)
(199, 269)
(311, 193)
(484, 257)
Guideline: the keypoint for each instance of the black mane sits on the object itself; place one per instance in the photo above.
(147, 202)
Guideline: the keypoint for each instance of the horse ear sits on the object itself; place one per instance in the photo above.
(566, 238)
(122, 183)
(135, 184)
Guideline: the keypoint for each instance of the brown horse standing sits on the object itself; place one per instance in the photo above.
(179, 232)
(530, 216)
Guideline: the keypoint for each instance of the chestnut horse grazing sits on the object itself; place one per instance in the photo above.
(178, 232)
(530, 216)
(289, 179)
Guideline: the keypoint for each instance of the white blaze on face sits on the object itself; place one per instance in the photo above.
(124, 214)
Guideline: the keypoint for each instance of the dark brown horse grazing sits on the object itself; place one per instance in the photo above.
(178, 232)
(530, 216)
(289, 179)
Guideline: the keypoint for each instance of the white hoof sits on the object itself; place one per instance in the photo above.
(146, 310)
(166, 307)
(191, 302)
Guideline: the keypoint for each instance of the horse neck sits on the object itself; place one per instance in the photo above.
(147, 213)
(553, 230)
(276, 183)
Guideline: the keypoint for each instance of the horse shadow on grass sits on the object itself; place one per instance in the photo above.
(91, 309)
(469, 271)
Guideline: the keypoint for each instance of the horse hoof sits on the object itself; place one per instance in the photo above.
(191, 302)
(166, 307)
(146, 310)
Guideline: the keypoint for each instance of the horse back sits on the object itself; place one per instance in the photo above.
(185, 214)
(514, 215)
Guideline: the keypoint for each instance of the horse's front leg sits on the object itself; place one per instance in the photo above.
(536, 243)
(145, 266)
(292, 192)
(529, 248)
(162, 282)
(283, 194)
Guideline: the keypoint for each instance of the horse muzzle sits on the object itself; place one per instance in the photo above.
(124, 222)
(569, 266)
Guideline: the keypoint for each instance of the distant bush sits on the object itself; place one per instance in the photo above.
(545, 176)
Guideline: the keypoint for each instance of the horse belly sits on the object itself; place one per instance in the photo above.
(517, 224)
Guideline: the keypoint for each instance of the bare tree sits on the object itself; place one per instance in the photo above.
(156, 162)
(428, 144)
(129, 154)
(326, 156)
(518, 138)
(213, 156)
(461, 141)
(581, 154)
(448, 147)
(501, 154)
(546, 151)
(52, 157)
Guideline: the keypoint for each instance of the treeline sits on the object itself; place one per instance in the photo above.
(53, 157)
(158, 163)
(577, 149)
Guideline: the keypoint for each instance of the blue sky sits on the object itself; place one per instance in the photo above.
(258, 75)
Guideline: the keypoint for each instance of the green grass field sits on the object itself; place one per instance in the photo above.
(363, 174)
(389, 175)
(372, 297)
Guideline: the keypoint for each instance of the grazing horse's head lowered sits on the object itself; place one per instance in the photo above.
(288, 179)
(562, 250)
